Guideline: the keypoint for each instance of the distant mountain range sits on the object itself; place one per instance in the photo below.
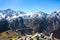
(26, 22)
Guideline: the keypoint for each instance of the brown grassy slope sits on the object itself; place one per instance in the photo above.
(7, 34)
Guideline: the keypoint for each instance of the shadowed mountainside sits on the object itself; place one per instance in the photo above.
(19, 21)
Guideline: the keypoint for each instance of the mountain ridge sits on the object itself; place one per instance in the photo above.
(39, 21)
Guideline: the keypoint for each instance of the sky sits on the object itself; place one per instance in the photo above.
(46, 6)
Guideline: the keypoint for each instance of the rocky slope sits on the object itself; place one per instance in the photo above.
(19, 21)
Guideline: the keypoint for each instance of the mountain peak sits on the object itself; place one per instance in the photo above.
(58, 10)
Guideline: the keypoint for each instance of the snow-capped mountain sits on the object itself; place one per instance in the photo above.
(16, 19)
(11, 14)
(39, 21)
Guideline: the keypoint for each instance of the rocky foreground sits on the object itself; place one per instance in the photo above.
(10, 35)
(29, 23)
